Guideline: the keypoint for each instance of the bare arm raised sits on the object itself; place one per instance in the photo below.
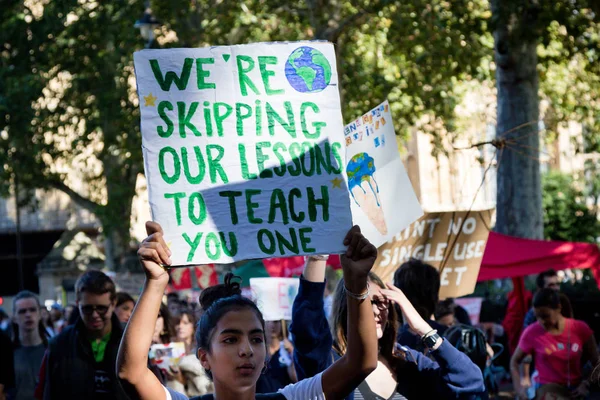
(132, 360)
(361, 356)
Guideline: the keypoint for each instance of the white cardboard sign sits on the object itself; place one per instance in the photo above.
(383, 201)
(275, 296)
(244, 150)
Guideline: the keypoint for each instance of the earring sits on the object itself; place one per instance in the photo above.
(264, 370)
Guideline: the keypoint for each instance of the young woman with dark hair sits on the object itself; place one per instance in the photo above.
(163, 334)
(560, 346)
(124, 306)
(163, 330)
(401, 373)
(188, 376)
(231, 333)
(184, 323)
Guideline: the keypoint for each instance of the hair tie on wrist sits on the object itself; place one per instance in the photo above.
(431, 332)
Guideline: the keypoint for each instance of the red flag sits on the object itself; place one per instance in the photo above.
(285, 267)
(518, 305)
(180, 278)
(288, 267)
(206, 276)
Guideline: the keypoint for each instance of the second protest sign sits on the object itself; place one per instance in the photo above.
(452, 242)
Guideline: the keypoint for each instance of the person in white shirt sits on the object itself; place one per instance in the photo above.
(231, 333)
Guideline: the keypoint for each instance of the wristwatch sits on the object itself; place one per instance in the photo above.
(430, 339)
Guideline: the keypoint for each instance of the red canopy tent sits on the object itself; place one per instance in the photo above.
(504, 257)
(509, 257)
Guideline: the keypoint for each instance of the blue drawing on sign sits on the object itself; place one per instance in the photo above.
(308, 70)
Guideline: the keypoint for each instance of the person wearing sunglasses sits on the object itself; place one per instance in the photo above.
(80, 360)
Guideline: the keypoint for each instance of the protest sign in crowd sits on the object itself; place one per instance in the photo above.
(247, 157)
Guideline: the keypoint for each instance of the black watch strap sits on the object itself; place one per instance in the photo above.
(430, 339)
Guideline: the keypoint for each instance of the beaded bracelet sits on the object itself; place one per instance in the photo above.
(358, 296)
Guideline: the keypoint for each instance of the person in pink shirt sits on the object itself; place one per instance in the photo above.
(560, 347)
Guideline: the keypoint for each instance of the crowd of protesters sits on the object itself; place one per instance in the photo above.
(418, 348)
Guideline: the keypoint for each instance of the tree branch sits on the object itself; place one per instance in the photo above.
(311, 15)
(332, 33)
(76, 197)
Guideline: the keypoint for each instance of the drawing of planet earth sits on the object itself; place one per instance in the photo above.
(307, 70)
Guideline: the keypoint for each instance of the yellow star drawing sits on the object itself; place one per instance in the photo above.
(149, 100)
(337, 182)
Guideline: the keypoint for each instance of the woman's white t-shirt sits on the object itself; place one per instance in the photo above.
(306, 389)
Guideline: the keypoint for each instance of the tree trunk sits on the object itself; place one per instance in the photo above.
(116, 238)
(111, 243)
(116, 216)
(519, 196)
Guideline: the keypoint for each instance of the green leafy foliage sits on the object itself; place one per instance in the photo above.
(68, 103)
(412, 53)
(68, 97)
(566, 215)
(67, 91)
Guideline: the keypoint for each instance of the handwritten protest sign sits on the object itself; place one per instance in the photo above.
(382, 198)
(275, 296)
(453, 242)
(167, 355)
(244, 150)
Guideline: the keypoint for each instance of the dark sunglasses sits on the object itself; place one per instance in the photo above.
(89, 309)
(22, 311)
